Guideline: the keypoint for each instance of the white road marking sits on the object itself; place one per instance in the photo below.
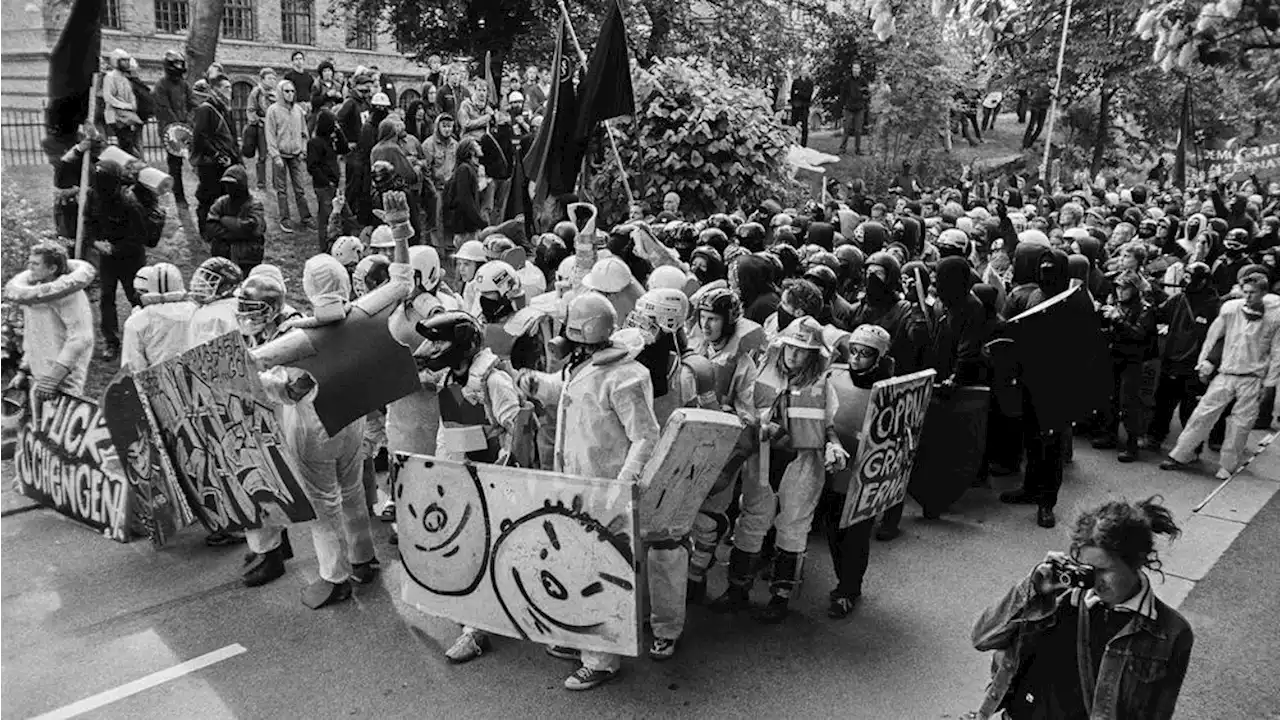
(145, 683)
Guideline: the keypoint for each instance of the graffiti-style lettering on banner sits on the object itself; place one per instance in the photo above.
(224, 437)
(887, 449)
(66, 461)
(522, 553)
(160, 508)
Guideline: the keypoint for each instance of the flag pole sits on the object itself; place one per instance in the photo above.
(1053, 104)
(613, 141)
(90, 125)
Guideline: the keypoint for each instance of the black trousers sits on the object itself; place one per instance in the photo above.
(1042, 477)
(175, 170)
(115, 269)
(850, 547)
(208, 189)
(800, 116)
(989, 117)
(1126, 401)
(1180, 392)
(1035, 125)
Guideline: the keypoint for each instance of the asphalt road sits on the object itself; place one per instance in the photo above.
(83, 615)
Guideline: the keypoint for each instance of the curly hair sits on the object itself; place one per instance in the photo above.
(1126, 530)
(804, 296)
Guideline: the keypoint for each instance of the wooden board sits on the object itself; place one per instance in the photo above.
(523, 553)
(694, 448)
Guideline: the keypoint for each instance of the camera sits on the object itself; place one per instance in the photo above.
(1072, 574)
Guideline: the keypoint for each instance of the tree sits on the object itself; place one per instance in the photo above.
(700, 132)
(202, 35)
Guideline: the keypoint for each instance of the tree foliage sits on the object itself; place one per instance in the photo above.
(700, 132)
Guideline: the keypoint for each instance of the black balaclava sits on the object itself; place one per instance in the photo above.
(874, 237)
(955, 279)
(1026, 263)
(656, 357)
(1054, 273)
(755, 278)
(880, 292)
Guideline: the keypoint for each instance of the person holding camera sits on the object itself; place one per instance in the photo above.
(1084, 635)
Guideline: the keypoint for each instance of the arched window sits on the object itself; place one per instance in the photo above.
(407, 97)
(240, 104)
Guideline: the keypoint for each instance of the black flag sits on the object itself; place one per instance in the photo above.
(552, 161)
(606, 90)
(72, 63)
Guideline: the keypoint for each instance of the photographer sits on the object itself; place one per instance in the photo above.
(1124, 656)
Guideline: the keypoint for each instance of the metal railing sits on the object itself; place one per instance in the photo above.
(22, 134)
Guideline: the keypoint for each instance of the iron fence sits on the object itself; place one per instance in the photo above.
(22, 134)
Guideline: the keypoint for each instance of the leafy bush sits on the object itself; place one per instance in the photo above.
(697, 131)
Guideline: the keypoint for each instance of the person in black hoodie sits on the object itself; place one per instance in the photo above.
(752, 278)
(326, 145)
(1099, 285)
(213, 146)
(174, 103)
(621, 244)
(462, 217)
(1187, 316)
(1131, 324)
(874, 236)
(1026, 292)
(957, 345)
(120, 215)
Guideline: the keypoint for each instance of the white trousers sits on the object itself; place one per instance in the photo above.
(1246, 390)
(789, 511)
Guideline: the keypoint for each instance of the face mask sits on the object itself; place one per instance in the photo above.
(877, 289)
(784, 318)
(494, 309)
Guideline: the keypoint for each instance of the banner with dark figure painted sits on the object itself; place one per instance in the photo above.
(66, 461)
(160, 507)
(953, 445)
(887, 445)
(224, 437)
(523, 553)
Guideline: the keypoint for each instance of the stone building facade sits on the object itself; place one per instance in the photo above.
(255, 34)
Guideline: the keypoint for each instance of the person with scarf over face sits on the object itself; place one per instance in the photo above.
(865, 362)
(752, 278)
(236, 225)
(733, 344)
(1185, 318)
(1099, 285)
(1025, 293)
(157, 330)
(622, 245)
(1046, 447)
(603, 399)
(121, 219)
(1131, 324)
(330, 465)
(882, 304)
(800, 298)
(174, 104)
(1249, 328)
(706, 265)
(797, 405)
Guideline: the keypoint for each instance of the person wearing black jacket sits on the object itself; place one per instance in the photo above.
(462, 217)
(1131, 325)
(213, 146)
(1187, 316)
(117, 222)
(174, 103)
(801, 103)
(957, 344)
(324, 148)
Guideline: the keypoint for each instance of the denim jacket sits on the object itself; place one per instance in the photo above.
(1142, 668)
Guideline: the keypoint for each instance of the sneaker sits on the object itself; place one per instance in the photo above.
(841, 606)
(584, 679)
(285, 227)
(365, 572)
(773, 613)
(1045, 518)
(1171, 464)
(662, 649)
(560, 652)
(887, 533)
(1222, 474)
(1128, 455)
(468, 647)
(1105, 443)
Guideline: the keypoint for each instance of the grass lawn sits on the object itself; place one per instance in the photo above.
(180, 245)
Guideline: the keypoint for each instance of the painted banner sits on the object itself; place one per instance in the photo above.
(339, 356)
(953, 445)
(224, 437)
(523, 553)
(160, 507)
(887, 445)
(66, 462)
(1232, 161)
(690, 455)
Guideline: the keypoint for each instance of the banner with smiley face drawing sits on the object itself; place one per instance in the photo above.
(522, 553)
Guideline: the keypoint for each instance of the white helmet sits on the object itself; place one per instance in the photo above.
(664, 308)
(425, 263)
(668, 276)
(472, 250)
(515, 96)
(498, 277)
(380, 100)
(564, 273)
(142, 279)
(382, 237)
(608, 275)
(591, 319)
(347, 249)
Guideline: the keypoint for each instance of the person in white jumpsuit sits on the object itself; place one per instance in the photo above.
(1250, 330)
(330, 465)
(57, 342)
(605, 425)
(157, 330)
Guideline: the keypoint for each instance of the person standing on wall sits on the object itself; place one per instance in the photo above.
(855, 100)
(303, 81)
(801, 103)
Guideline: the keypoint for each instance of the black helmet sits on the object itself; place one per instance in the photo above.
(452, 339)
(751, 236)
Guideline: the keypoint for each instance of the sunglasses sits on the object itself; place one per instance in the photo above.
(865, 353)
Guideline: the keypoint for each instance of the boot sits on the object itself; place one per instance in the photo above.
(741, 573)
(786, 573)
(695, 592)
(1130, 452)
(266, 567)
(322, 593)
(286, 549)
(775, 612)
(735, 599)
